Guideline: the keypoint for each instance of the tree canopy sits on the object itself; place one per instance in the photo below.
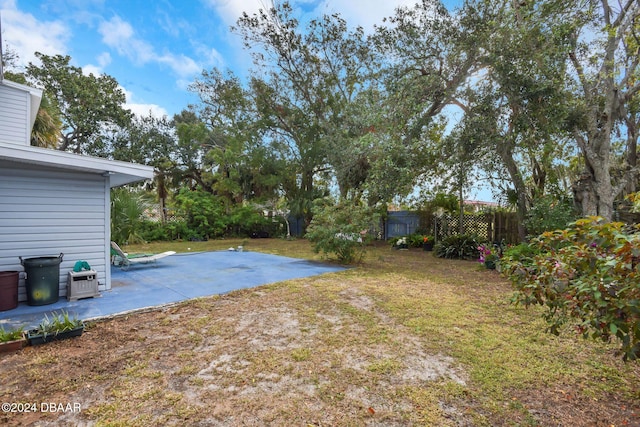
(88, 105)
(539, 98)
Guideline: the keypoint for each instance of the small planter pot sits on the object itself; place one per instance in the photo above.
(490, 264)
(427, 246)
(36, 338)
(10, 346)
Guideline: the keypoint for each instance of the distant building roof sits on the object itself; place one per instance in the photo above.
(481, 203)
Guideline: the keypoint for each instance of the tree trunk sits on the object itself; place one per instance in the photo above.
(605, 95)
(506, 155)
(594, 192)
(307, 191)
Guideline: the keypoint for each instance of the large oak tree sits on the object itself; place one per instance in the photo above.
(88, 104)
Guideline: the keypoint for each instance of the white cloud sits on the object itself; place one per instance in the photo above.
(119, 35)
(104, 59)
(231, 10)
(141, 109)
(180, 64)
(26, 35)
(91, 69)
(209, 54)
(365, 13)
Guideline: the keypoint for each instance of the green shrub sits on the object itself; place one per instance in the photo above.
(634, 198)
(152, 231)
(549, 213)
(245, 220)
(397, 241)
(460, 246)
(587, 273)
(413, 240)
(340, 229)
(523, 253)
(206, 216)
(204, 213)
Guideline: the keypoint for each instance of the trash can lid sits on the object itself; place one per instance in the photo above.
(42, 261)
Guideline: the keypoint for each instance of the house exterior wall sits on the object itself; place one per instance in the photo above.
(14, 111)
(48, 212)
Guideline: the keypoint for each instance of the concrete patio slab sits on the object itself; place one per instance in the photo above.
(173, 279)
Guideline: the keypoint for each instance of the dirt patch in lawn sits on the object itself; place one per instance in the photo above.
(375, 346)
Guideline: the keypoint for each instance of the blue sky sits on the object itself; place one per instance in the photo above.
(154, 49)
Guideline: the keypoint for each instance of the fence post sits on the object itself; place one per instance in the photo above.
(490, 227)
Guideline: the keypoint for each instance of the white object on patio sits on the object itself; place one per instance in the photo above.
(125, 260)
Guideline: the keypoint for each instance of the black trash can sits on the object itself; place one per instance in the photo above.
(9, 290)
(43, 279)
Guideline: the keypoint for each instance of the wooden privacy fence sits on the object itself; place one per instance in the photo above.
(403, 223)
(494, 227)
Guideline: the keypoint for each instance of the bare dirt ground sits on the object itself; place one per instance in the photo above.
(378, 346)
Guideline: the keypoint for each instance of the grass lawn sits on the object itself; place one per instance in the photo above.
(402, 339)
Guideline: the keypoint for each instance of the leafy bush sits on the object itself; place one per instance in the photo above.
(588, 273)
(634, 198)
(207, 216)
(245, 220)
(460, 246)
(413, 240)
(171, 230)
(398, 242)
(152, 231)
(340, 229)
(523, 253)
(549, 213)
(204, 213)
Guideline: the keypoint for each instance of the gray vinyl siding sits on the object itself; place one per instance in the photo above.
(45, 213)
(14, 110)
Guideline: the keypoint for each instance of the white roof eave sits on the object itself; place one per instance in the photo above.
(120, 173)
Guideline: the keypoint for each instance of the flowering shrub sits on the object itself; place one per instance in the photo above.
(488, 256)
(415, 240)
(427, 239)
(401, 242)
(588, 273)
(411, 241)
